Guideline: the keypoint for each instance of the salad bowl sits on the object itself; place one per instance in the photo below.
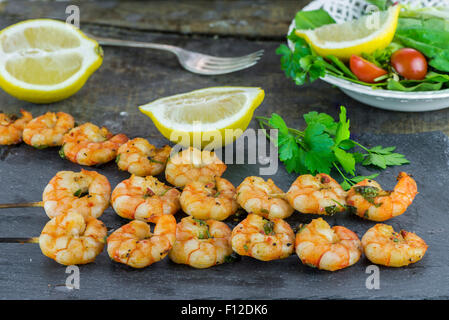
(345, 10)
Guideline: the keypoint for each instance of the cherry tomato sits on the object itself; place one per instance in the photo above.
(365, 70)
(409, 63)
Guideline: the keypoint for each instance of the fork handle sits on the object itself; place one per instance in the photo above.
(136, 44)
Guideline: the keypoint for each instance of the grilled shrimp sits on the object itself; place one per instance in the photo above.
(318, 194)
(213, 200)
(320, 246)
(201, 244)
(139, 157)
(371, 202)
(11, 127)
(382, 245)
(264, 198)
(48, 130)
(263, 239)
(193, 165)
(85, 192)
(144, 198)
(134, 245)
(89, 145)
(71, 238)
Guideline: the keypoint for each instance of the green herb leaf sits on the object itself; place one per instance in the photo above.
(346, 160)
(322, 118)
(343, 132)
(382, 157)
(375, 160)
(331, 210)
(337, 62)
(325, 144)
(346, 144)
(80, 193)
(155, 161)
(361, 178)
(369, 193)
(268, 227)
(61, 152)
(382, 150)
(231, 258)
(312, 19)
(319, 157)
(41, 147)
(405, 86)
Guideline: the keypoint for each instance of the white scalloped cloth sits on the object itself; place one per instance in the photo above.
(346, 10)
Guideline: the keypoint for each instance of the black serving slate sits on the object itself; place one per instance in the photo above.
(26, 274)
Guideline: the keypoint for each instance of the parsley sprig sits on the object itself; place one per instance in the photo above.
(325, 145)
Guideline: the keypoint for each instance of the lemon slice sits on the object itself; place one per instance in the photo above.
(365, 35)
(201, 118)
(45, 60)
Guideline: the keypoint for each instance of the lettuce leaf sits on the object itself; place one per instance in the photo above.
(312, 19)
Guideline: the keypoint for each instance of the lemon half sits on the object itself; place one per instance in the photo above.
(365, 35)
(210, 117)
(44, 60)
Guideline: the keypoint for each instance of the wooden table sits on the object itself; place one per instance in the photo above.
(132, 77)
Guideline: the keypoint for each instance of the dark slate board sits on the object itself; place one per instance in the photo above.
(26, 274)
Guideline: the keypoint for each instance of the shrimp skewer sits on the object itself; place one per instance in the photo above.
(263, 239)
(48, 130)
(145, 199)
(371, 202)
(193, 165)
(201, 243)
(134, 245)
(320, 246)
(319, 194)
(90, 145)
(86, 192)
(11, 127)
(141, 158)
(214, 200)
(264, 198)
(71, 239)
(382, 245)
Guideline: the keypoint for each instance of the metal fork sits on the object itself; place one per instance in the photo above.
(192, 61)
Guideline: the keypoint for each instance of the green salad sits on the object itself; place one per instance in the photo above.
(416, 60)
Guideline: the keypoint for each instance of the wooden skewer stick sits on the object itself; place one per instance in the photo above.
(19, 240)
(21, 205)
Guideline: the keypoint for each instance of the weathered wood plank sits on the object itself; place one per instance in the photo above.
(267, 19)
(131, 77)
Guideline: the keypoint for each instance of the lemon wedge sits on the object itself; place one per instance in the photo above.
(44, 60)
(365, 35)
(207, 118)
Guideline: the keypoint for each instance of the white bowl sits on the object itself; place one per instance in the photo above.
(343, 10)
